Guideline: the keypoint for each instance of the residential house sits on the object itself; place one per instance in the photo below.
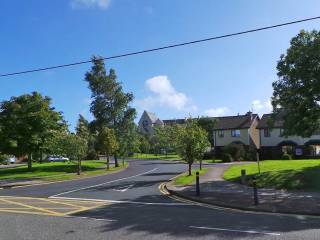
(274, 144)
(240, 129)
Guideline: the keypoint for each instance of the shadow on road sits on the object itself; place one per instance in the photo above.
(176, 220)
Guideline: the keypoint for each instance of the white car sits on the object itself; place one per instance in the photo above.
(11, 160)
(57, 159)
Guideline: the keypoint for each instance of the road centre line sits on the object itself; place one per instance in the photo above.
(101, 184)
(238, 231)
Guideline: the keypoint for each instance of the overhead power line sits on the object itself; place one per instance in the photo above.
(161, 48)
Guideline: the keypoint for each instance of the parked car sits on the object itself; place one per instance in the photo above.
(57, 159)
(11, 160)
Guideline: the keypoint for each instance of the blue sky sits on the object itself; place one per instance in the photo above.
(222, 77)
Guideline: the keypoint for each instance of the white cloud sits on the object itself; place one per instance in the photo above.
(103, 4)
(165, 95)
(261, 107)
(217, 112)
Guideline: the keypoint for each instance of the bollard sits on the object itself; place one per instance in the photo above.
(243, 177)
(197, 184)
(255, 191)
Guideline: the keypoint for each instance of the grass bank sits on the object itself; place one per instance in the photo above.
(168, 157)
(147, 156)
(184, 179)
(281, 174)
(58, 170)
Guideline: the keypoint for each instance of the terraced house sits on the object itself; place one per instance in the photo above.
(274, 144)
(239, 129)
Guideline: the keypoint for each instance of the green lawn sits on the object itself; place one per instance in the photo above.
(281, 174)
(58, 170)
(169, 157)
(185, 179)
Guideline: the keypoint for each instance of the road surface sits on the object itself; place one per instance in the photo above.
(136, 209)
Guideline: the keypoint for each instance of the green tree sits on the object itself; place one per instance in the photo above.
(297, 91)
(144, 145)
(129, 142)
(110, 105)
(27, 123)
(107, 143)
(69, 145)
(208, 124)
(192, 142)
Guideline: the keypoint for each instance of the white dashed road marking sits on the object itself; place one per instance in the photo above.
(238, 231)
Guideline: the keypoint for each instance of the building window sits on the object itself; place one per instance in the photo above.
(266, 132)
(281, 132)
(287, 149)
(315, 150)
(235, 133)
(220, 133)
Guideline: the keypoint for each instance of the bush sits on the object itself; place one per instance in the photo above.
(251, 155)
(236, 151)
(226, 157)
(209, 155)
(3, 158)
(286, 156)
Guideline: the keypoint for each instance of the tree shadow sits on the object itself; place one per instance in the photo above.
(175, 220)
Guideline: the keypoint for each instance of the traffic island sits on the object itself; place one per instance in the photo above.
(218, 192)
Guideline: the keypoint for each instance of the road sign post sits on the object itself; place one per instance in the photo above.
(255, 191)
(197, 184)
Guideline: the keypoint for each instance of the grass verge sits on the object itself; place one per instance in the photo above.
(186, 180)
(148, 156)
(281, 174)
(58, 171)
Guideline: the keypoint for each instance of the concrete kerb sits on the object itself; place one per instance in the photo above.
(220, 205)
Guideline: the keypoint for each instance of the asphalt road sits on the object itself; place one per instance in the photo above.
(140, 211)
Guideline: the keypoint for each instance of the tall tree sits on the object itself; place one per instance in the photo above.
(297, 91)
(82, 128)
(110, 105)
(192, 142)
(27, 122)
(107, 143)
(208, 124)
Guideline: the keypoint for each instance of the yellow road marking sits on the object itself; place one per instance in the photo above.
(44, 206)
(29, 206)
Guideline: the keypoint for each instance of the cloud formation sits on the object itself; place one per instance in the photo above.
(261, 107)
(217, 112)
(165, 95)
(102, 4)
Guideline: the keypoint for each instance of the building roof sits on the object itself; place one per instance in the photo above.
(152, 116)
(235, 122)
(174, 121)
(229, 122)
(267, 121)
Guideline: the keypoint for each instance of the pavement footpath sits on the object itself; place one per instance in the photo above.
(216, 191)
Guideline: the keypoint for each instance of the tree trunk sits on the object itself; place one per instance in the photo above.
(79, 167)
(200, 164)
(190, 169)
(29, 162)
(108, 162)
(41, 155)
(116, 164)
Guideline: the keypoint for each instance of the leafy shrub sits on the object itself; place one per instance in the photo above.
(3, 158)
(286, 156)
(236, 151)
(251, 155)
(226, 157)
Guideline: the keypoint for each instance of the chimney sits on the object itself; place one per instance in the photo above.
(250, 115)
